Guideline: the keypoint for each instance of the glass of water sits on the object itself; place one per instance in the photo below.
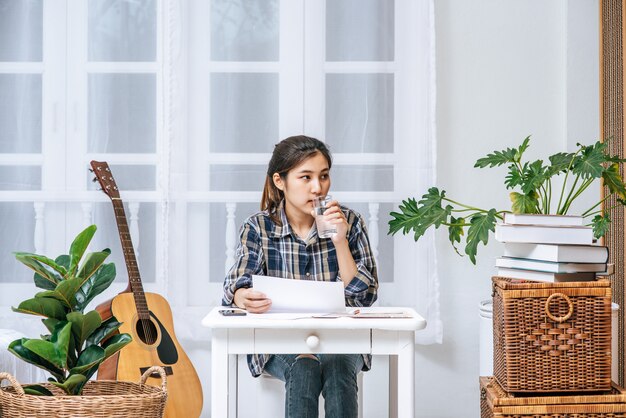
(324, 229)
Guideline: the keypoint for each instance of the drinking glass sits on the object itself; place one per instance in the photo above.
(324, 229)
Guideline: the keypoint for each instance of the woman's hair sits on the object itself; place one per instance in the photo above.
(287, 154)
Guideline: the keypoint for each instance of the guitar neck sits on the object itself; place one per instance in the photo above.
(134, 279)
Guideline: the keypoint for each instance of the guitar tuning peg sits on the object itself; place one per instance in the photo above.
(90, 170)
(95, 179)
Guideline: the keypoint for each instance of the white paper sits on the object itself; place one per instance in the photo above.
(289, 295)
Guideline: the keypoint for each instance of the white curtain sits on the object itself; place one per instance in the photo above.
(185, 100)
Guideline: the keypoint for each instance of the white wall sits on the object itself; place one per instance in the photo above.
(505, 69)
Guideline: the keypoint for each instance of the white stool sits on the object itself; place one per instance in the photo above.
(271, 400)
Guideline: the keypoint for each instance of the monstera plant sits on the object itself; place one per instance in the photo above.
(535, 189)
(77, 342)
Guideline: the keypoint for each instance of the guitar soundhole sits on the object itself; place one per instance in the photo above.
(147, 331)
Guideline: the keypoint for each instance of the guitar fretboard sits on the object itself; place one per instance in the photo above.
(134, 279)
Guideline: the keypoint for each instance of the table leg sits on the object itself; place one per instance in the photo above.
(219, 373)
(406, 375)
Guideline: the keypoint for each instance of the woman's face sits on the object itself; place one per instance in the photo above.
(304, 182)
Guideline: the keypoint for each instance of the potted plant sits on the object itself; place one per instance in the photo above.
(532, 185)
(77, 342)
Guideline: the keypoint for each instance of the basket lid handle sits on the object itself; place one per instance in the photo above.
(7, 376)
(155, 370)
(565, 317)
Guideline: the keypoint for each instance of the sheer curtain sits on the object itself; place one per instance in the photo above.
(185, 100)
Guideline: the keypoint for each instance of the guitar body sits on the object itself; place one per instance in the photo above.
(154, 344)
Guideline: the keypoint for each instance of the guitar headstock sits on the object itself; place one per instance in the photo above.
(105, 178)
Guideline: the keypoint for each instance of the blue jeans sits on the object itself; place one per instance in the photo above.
(332, 375)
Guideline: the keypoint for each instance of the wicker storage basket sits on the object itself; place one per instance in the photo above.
(551, 337)
(496, 403)
(100, 399)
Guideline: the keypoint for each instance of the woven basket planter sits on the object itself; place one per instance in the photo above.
(100, 399)
(552, 337)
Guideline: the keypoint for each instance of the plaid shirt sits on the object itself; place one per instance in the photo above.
(266, 248)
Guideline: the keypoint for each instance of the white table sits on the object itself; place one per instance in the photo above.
(250, 334)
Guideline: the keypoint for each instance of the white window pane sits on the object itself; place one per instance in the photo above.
(122, 30)
(248, 178)
(21, 23)
(129, 177)
(20, 113)
(17, 228)
(122, 113)
(368, 178)
(244, 30)
(360, 112)
(20, 177)
(108, 237)
(360, 30)
(244, 112)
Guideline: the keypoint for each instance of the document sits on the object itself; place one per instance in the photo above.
(308, 296)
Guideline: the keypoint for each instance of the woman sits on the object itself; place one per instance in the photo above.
(282, 241)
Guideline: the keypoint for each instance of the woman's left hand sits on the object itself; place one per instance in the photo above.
(335, 216)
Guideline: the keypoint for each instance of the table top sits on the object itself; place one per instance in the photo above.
(412, 322)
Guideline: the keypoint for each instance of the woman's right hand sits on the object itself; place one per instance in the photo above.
(251, 300)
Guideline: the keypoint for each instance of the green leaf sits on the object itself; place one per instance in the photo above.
(46, 268)
(73, 384)
(63, 260)
(589, 163)
(600, 225)
(480, 225)
(559, 163)
(498, 158)
(522, 148)
(407, 220)
(105, 330)
(455, 231)
(56, 350)
(96, 284)
(50, 323)
(92, 356)
(17, 348)
(534, 176)
(514, 177)
(83, 325)
(522, 203)
(37, 390)
(92, 262)
(44, 283)
(47, 307)
(420, 216)
(116, 343)
(79, 246)
(613, 180)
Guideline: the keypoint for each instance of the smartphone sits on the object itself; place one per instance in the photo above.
(232, 312)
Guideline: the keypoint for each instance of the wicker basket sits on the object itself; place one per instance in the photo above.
(496, 403)
(552, 337)
(100, 399)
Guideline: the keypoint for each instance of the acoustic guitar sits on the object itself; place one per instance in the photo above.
(148, 318)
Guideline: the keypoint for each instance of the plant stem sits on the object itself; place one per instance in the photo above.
(580, 190)
(549, 194)
(602, 210)
(465, 206)
(569, 167)
(563, 210)
(586, 213)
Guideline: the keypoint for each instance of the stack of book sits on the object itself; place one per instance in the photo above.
(549, 248)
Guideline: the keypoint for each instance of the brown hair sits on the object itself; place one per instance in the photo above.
(287, 154)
